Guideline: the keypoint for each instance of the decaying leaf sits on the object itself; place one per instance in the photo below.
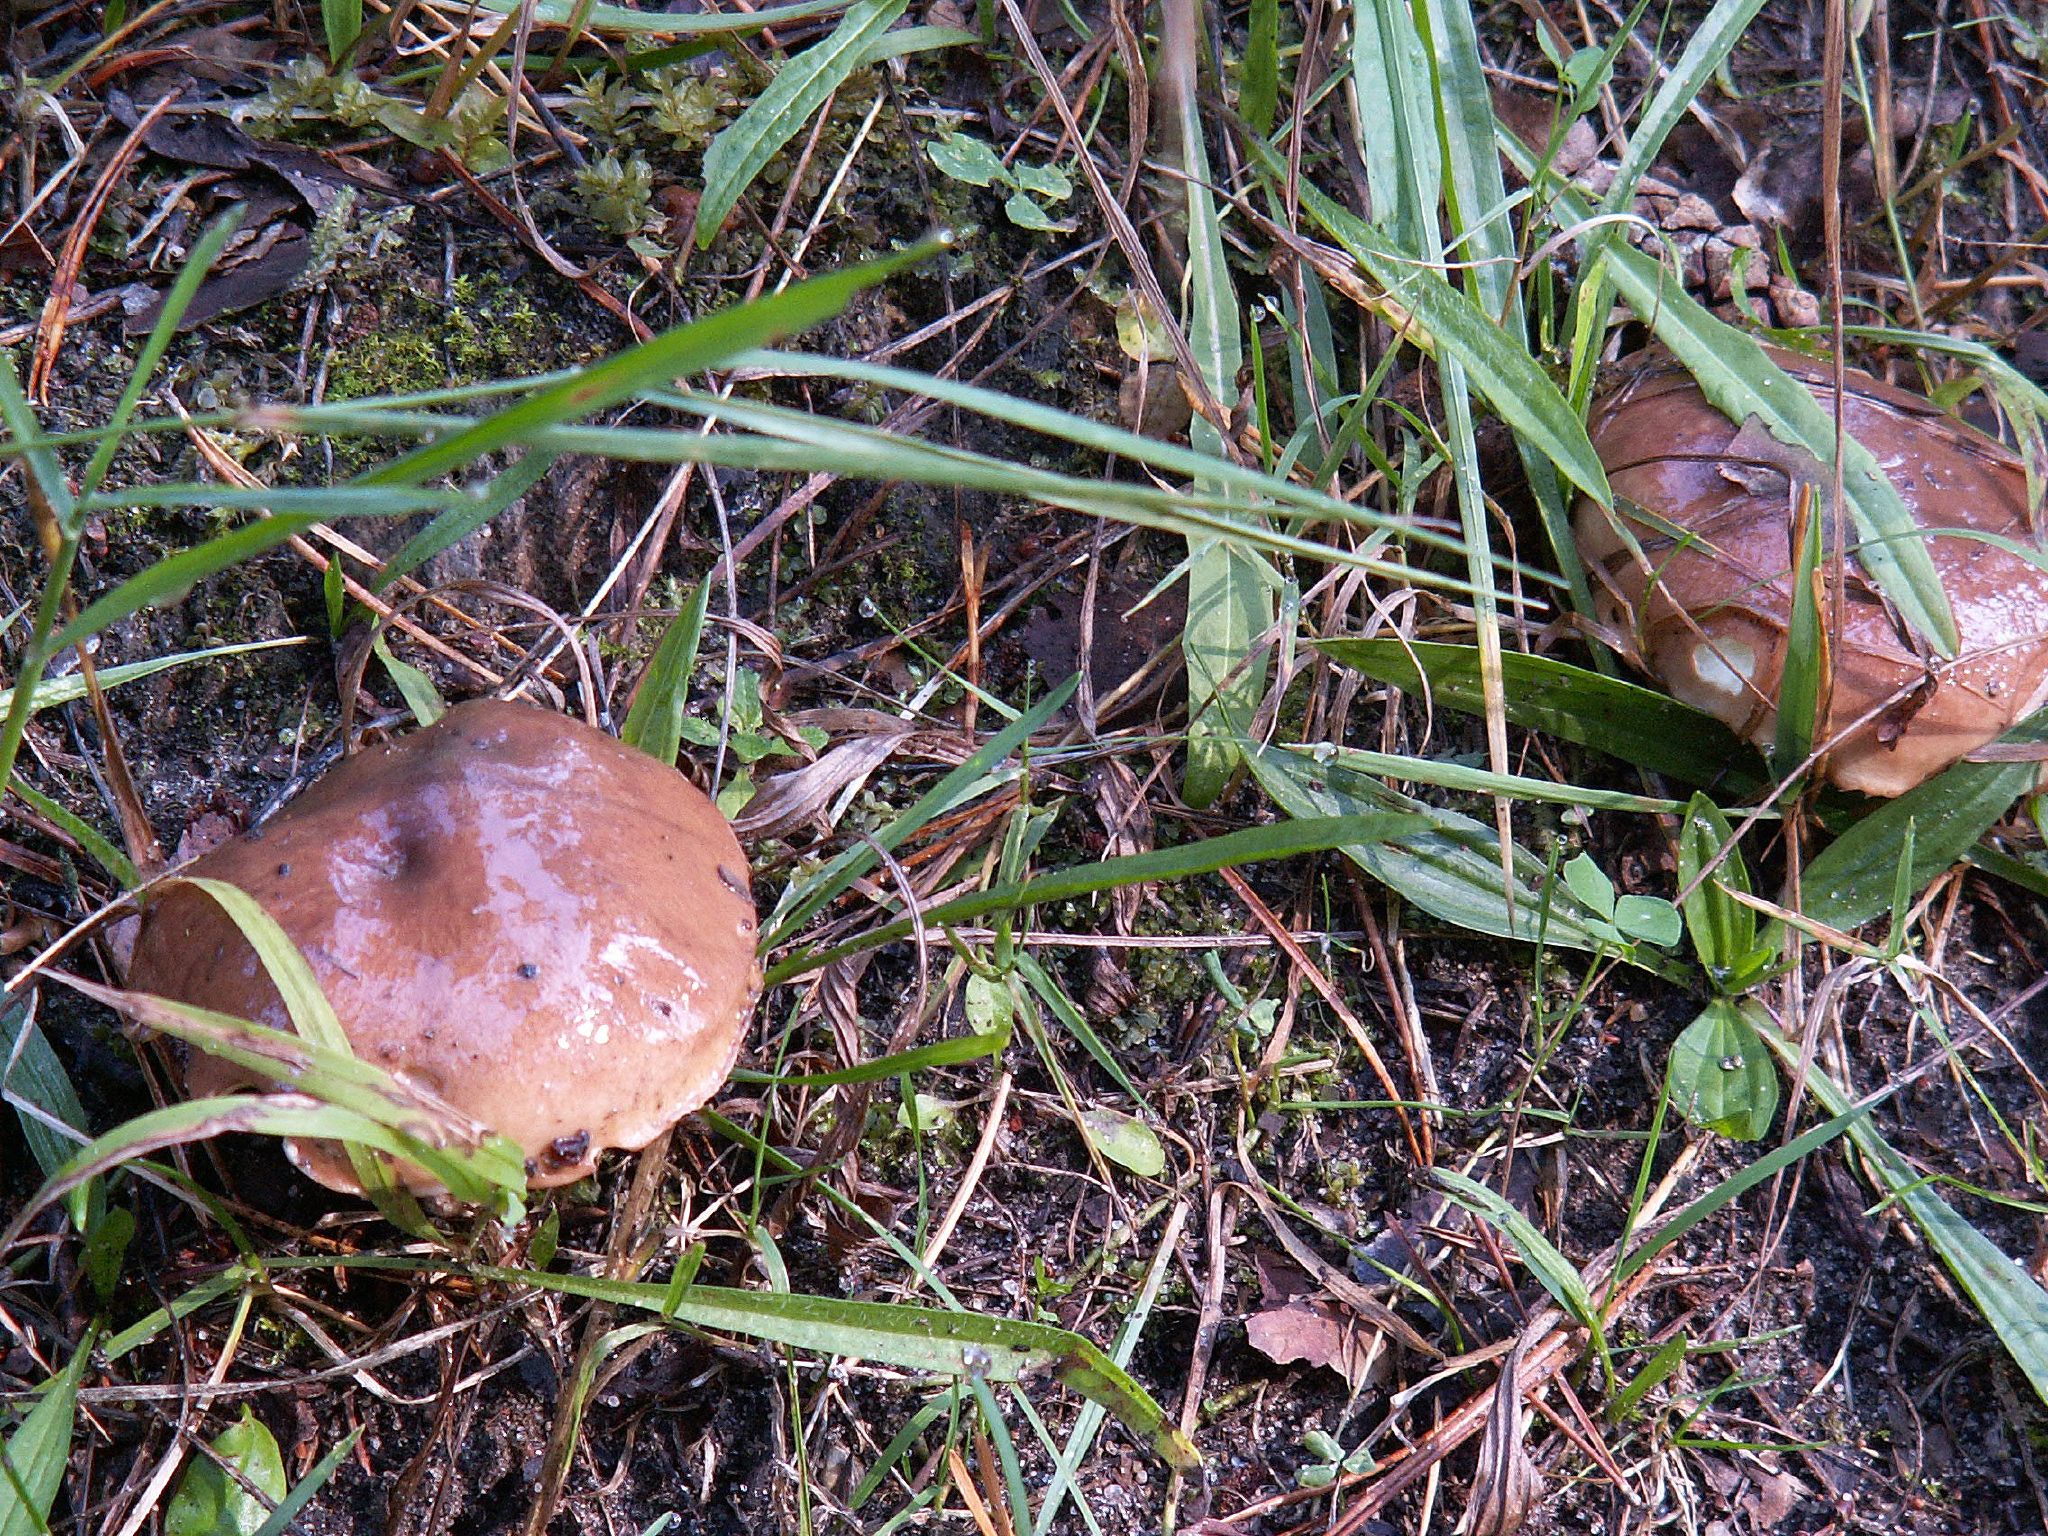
(1507, 1484)
(794, 799)
(1317, 1332)
(1126, 818)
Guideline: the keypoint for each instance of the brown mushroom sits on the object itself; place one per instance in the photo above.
(551, 931)
(1709, 615)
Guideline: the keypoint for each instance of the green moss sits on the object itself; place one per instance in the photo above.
(487, 329)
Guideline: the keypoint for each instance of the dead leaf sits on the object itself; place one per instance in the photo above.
(1127, 820)
(801, 796)
(1772, 1498)
(1317, 1333)
(1152, 402)
(1507, 1484)
(283, 256)
(203, 833)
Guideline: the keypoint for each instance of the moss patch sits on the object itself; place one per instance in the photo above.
(402, 340)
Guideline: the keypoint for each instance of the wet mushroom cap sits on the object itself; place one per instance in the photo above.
(1709, 616)
(550, 930)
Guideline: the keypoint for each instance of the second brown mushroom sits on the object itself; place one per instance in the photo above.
(1703, 599)
(548, 930)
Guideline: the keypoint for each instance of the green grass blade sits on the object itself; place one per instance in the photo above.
(654, 721)
(1314, 834)
(1799, 682)
(1736, 374)
(1707, 47)
(88, 837)
(342, 20)
(687, 349)
(1231, 588)
(1075, 1021)
(1737, 1184)
(1475, 195)
(950, 1052)
(454, 524)
(1540, 1257)
(1498, 365)
(779, 113)
(473, 1169)
(1258, 89)
(197, 265)
(1388, 73)
(1451, 869)
(1230, 605)
(38, 1080)
(1635, 724)
(172, 577)
(1481, 781)
(806, 898)
(291, 1504)
(39, 461)
(52, 691)
(199, 1119)
(1170, 458)
(959, 1344)
(618, 21)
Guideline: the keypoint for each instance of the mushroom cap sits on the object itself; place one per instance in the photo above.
(1710, 617)
(548, 929)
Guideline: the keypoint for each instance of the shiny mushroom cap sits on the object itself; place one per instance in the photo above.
(1709, 615)
(551, 931)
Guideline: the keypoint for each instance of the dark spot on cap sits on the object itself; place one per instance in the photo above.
(528, 970)
(663, 1007)
(573, 1148)
(283, 870)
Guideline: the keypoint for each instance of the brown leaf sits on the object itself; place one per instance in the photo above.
(1152, 402)
(794, 799)
(273, 270)
(1127, 819)
(1506, 1485)
(1773, 1497)
(1316, 1333)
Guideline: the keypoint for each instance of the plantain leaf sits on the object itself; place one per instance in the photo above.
(1723, 929)
(38, 1450)
(1721, 1075)
(1449, 868)
(745, 145)
(208, 1502)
